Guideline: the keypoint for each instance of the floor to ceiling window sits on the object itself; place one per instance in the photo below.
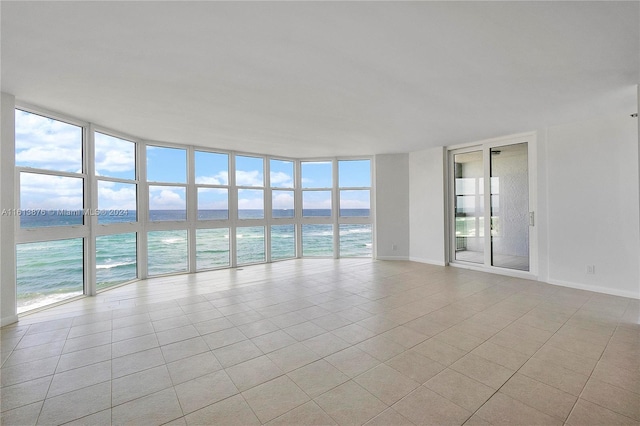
(490, 205)
(108, 209)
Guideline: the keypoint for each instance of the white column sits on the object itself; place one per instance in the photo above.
(8, 308)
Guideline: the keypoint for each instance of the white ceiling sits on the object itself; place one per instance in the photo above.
(307, 79)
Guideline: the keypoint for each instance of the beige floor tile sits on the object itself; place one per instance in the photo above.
(353, 333)
(176, 334)
(223, 338)
(293, 357)
(317, 378)
(426, 326)
(136, 362)
(273, 341)
(517, 343)
(554, 375)
(331, 321)
(439, 351)
(540, 396)
(274, 398)
(213, 325)
(237, 353)
(43, 338)
(304, 330)
(568, 360)
(352, 361)
(140, 384)
(389, 417)
(100, 418)
(85, 342)
(613, 398)
(405, 336)
(377, 324)
(86, 329)
(482, 370)
(586, 413)
(28, 371)
(84, 357)
(581, 347)
(253, 372)
(23, 416)
(204, 390)
(192, 367)
(425, 407)
(457, 339)
(24, 393)
(386, 384)
(306, 414)
(158, 408)
(506, 357)
(184, 349)
(380, 348)
(232, 411)
(133, 345)
(460, 389)
(350, 404)
(504, 410)
(136, 330)
(476, 420)
(80, 378)
(626, 379)
(288, 320)
(415, 366)
(76, 404)
(325, 344)
(258, 328)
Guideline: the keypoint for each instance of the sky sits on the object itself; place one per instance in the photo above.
(49, 144)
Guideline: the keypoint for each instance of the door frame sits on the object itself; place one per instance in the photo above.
(485, 145)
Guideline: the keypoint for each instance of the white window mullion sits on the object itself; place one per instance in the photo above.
(192, 210)
(91, 203)
(233, 211)
(335, 211)
(143, 210)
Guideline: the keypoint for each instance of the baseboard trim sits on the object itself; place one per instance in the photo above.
(392, 258)
(429, 261)
(594, 288)
(8, 320)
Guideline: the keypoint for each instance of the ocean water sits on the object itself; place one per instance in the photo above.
(51, 271)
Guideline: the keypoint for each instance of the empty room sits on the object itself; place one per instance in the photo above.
(319, 213)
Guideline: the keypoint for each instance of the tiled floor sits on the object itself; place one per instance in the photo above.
(327, 342)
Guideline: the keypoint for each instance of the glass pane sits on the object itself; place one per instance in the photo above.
(167, 203)
(510, 207)
(213, 204)
(167, 252)
(281, 174)
(469, 207)
(47, 200)
(48, 272)
(212, 168)
(355, 203)
(46, 143)
(354, 173)
(355, 240)
(115, 259)
(115, 157)
(166, 164)
(282, 203)
(317, 174)
(212, 248)
(250, 204)
(283, 242)
(116, 202)
(317, 240)
(250, 244)
(249, 171)
(316, 203)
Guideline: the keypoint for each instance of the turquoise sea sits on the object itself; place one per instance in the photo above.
(51, 271)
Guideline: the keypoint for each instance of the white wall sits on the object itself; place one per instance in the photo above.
(592, 204)
(7, 201)
(426, 206)
(392, 206)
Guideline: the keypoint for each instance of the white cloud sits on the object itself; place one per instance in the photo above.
(166, 199)
(283, 200)
(38, 191)
(120, 197)
(354, 204)
(281, 179)
(221, 178)
(249, 178)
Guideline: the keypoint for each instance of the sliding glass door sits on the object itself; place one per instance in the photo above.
(490, 197)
